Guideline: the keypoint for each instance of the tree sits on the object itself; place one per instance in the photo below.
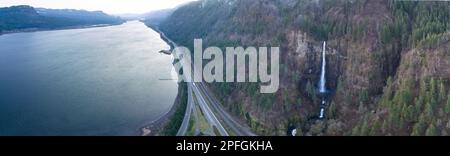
(331, 110)
(447, 106)
(385, 126)
(376, 126)
(442, 93)
(428, 110)
(431, 130)
(363, 96)
(364, 129)
(433, 89)
(423, 87)
(418, 105)
(419, 127)
(355, 131)
(310, 89)
(299, 102)
(409, 114)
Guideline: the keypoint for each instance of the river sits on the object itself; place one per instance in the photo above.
(94, 81)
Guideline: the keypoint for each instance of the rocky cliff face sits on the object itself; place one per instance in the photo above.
(369, 43)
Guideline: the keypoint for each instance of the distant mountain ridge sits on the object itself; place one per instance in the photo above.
(24, 18)
(80, 15)
(157, 17)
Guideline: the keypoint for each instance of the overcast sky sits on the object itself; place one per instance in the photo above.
(108, 6)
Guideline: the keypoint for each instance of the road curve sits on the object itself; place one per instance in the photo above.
(238, 129)
(209, 114)
(187, 115)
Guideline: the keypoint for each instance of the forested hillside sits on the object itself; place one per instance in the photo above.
(388, 66)
(19, 18)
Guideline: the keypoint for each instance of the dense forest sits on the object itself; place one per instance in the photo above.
(388, 71)
(18, 18)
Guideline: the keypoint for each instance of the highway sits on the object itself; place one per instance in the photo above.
(187, 116)
(205, 99)
(238, 129)
(209, 114)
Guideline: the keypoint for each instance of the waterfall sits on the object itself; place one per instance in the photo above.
(322, 83)
(322, 75)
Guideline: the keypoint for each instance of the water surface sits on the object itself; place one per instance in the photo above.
(95, 81)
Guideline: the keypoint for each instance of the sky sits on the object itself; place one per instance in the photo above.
(108, 6)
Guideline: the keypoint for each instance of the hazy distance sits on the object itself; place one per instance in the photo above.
(108, 6)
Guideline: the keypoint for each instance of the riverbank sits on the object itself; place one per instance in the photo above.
(53, 29)
(163, 36)
(169, 123)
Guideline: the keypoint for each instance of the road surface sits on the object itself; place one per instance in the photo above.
(187, 116)
(237, 128)
(204, 99)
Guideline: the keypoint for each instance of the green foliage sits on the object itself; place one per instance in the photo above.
(310, 89)
(376, 126)
(299, 102)
(442, 93)
(397, 30)
(419, 127)
(431, 130)
(332, 110)
(447, 106)
(266, 101)
(194, 20)
(429, 110)
(407, 111)
(364, 96)
(364, 129)
(320, 29)
(430, 18)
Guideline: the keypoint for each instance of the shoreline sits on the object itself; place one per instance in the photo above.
(30, 30)
(156, 127)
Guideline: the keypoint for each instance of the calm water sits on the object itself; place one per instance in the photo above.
(96, 81)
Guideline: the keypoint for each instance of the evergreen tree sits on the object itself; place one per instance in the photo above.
(410, 113)
(418, 105)
(385, 126)
(364, 129)
(355, 131)
(310, 89)
(431, 130)
(429, 110)
(423, 87)
(447, 106)
(376, 126)
(331, 110)
(419, 127)
(442, 93)
(433, 89)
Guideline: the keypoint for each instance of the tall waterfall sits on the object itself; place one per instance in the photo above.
(322, 75)
(322, 83)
